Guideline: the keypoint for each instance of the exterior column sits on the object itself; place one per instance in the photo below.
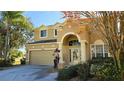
(83, 51)
(61, 62)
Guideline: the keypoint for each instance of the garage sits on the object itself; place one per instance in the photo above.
(41, 57)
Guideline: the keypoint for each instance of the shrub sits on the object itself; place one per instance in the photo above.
(83, 71)
(68, 73)
(23, 61)
(79, 70)
(101, 60)
(5, 64)
(105, 71)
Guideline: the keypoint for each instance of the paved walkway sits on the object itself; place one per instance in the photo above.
(28, 73)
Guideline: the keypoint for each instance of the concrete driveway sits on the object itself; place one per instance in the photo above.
(28, 73)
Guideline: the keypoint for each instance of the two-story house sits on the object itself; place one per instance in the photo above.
(76, 42)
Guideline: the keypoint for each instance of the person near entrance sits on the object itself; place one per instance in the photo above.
(56, 57)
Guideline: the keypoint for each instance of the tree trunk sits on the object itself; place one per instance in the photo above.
(6, 53)
(122, 63)
(119, 64)
(117, 54)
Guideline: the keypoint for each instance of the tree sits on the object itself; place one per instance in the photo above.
(16, 53)
(16, 25)
(110, 24)
(2, 40)
(1, 45)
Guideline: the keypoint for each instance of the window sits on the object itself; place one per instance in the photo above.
(99, 50)
(55, 32)
(93, 51)
(43, 33)
(74, 43)
(106, 51)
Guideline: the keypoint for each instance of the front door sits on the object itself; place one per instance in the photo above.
(74, 55)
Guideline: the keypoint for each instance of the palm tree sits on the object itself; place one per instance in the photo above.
(13, 21)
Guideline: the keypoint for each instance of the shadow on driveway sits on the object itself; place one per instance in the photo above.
(29, 73)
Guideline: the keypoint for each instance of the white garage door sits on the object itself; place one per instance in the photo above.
(44, 57)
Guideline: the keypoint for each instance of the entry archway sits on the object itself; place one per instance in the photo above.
(71, 49)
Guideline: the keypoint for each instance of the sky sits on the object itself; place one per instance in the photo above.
(44, 17)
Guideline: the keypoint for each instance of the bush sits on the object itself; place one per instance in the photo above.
(79, 70)
(23, 61)
(5, 64)
(101, 60)
(83, 71)
(68, 73)
(105, 71)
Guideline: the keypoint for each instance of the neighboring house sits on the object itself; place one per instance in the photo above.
(76, 42)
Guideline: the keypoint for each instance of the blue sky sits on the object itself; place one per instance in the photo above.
(44, 17)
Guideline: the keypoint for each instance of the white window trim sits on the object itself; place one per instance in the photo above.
(104, 50)
(95, 50)
(54, 33)
(45, 36)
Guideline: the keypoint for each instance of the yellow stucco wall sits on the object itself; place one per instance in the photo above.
(78, 28)
(50, 32)
(68, 26)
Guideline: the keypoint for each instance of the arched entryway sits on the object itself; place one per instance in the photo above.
(71, 49)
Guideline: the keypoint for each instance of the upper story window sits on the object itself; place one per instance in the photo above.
(55, 32)
(43, 33)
